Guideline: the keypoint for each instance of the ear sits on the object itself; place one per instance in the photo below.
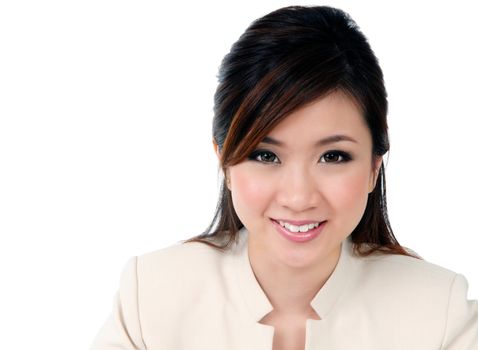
(218, 154)
(376, 164)
(216, 149)
(228, 179)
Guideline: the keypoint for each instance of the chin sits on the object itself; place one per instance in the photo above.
(307, 255)
(301, 257)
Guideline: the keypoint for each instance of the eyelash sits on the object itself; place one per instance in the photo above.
(344, 155)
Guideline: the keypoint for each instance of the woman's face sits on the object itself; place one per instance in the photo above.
(314, 167)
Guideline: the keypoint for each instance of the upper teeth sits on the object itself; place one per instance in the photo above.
(302, 228)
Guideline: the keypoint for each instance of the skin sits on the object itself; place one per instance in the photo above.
(297, 181)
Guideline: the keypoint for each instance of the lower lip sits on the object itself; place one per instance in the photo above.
(299, 236)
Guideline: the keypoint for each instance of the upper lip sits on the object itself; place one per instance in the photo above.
(298, 222)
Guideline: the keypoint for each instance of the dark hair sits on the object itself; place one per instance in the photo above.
(283, 61)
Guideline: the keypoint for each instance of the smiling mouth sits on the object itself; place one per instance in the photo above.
(303, 233)
(298, 227)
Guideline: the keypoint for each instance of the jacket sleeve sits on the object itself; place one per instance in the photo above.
(122, 329)
(461, 332)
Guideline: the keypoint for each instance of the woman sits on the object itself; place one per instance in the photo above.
(300, 254)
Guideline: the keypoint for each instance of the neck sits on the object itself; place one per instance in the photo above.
(290, 289)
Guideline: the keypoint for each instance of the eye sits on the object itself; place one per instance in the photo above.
(264, 156)
(335, 157)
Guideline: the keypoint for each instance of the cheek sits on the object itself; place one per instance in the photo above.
(251, 192)
(348, 193)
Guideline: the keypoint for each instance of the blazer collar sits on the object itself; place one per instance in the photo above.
(256, 300)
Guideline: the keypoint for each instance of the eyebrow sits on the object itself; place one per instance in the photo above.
(322, 142)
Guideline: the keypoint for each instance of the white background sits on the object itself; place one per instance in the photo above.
(105, 142)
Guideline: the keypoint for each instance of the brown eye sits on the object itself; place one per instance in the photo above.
(335, 157)
(264, 157)
(331, 157)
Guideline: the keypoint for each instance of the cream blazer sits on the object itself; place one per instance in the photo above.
(193, 297)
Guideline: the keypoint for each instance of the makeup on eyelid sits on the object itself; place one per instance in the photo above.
(344, 155)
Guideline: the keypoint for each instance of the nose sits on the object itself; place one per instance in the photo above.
(299, 190)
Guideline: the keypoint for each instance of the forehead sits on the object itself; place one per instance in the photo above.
(336, 113)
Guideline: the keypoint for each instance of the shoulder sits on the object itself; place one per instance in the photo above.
(403, 285)
(177, 270)
(415, 292)
(183, 278)
(183, 251)
(181, 261)
(406, 273)
(404, 264)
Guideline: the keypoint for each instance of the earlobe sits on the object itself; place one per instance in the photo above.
(218, 154)
(228, 179)
(216, 149)
(375, 179)
(375, 173)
